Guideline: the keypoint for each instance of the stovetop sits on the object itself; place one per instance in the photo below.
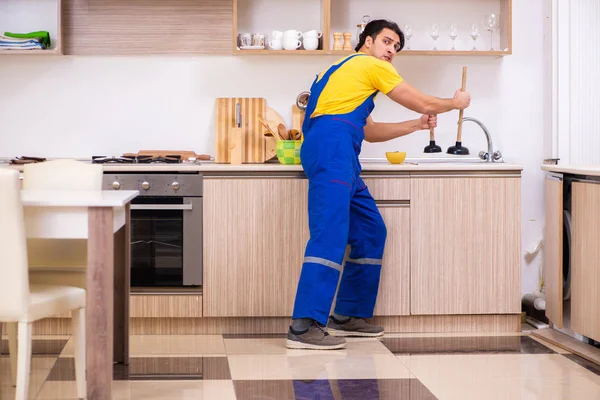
(170, 159)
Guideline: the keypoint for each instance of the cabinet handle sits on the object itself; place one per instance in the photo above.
(392, 203)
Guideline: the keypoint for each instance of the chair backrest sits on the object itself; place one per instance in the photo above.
(14, 273)
(64, 174)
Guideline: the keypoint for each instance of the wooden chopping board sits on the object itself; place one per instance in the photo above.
(297, 118)
(253, 131)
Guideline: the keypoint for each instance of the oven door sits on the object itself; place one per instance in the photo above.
(166, 241)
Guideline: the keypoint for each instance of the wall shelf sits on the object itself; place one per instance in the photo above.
(31, 16)
(265, 16)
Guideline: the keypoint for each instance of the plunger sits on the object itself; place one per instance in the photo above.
(459, 149)
(432, 147)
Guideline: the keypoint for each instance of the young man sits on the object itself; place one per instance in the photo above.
(341, 209)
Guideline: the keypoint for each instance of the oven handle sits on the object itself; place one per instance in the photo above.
(160, 206)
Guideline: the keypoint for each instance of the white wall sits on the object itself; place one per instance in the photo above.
(83, 106)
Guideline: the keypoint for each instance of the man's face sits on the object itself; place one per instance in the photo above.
(384, 46)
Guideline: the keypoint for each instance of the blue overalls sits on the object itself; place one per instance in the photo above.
(341, 212)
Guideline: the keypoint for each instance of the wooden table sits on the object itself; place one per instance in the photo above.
(95, 216)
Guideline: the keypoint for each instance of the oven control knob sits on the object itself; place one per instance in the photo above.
(175, 185)
(145, 185)
(116, 185)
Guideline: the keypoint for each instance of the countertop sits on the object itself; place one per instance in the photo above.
(592, 170)
(368, 165)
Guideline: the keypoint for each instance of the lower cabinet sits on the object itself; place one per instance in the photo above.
(255, 234)
(585, 256)
(465, 245)
(394, 285)
(453, 245)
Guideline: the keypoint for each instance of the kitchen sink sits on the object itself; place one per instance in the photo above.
(445, 160)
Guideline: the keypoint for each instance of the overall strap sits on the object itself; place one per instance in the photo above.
(316, 89)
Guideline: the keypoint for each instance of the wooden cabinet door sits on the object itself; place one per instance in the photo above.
(255, 234)
(553, 251)
(394, 285)
(585, 259)
(466, 245)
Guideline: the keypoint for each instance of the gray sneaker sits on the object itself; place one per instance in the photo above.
(357, 327)
(315, 338)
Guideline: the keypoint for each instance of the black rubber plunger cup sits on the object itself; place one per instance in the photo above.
(432, 147)
(459, 149)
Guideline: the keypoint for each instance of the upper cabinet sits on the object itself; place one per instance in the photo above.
(432, 27)
(42, 17)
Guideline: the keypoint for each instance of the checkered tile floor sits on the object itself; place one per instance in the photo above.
(412, 367)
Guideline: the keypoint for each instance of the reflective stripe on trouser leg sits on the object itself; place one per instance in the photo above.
(329, 204)
(360, 280)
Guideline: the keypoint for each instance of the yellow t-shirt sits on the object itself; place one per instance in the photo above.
(354, 82)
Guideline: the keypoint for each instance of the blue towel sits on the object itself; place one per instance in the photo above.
(9, 43)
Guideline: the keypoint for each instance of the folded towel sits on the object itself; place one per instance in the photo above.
(9, 43)
(42, 36)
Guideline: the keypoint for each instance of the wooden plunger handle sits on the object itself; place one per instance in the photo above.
(431, 134)
(460, 114)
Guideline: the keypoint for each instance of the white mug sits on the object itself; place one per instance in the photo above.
(276, 44)
(311, 43)
(313, 34)
(277, 35)
(292, 34)
(291, 44)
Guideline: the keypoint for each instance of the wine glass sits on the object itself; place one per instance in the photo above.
(408, 32)
(435, 34)
(474, 35)
(453, 34)
(491, 23)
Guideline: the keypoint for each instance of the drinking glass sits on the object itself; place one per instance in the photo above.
(408, 32)
(435, 34)
(453, 34)
(491, 24)
(474, 35)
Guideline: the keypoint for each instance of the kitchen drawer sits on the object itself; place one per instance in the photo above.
(165, 306)
(389, 188)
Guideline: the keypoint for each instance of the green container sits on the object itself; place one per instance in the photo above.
(288, 151)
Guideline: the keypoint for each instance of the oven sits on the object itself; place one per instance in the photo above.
(166, 227)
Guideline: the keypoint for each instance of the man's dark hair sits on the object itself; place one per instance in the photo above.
(375, 27)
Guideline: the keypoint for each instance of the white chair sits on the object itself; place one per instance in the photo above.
(60, 261)
(21, 304)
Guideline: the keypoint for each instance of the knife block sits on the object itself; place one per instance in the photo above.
(236, 142)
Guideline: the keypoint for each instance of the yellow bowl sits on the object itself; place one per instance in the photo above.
(396, 157)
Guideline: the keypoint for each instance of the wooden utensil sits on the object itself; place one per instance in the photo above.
(184, 154)
(254, 139)
(236, 136)
(294, 134)
(281, 129)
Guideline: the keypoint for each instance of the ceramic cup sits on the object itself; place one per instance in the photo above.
(313, 34)
(291, 44)
(311, 43)
(276, 44)
(277, 35)
(292, 34)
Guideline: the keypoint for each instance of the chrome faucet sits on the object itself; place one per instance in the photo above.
(490, 156)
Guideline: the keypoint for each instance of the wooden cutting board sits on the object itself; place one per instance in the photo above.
(252, 130)
(297, 118)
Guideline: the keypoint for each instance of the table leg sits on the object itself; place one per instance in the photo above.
(99, 306)
(121, 297)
